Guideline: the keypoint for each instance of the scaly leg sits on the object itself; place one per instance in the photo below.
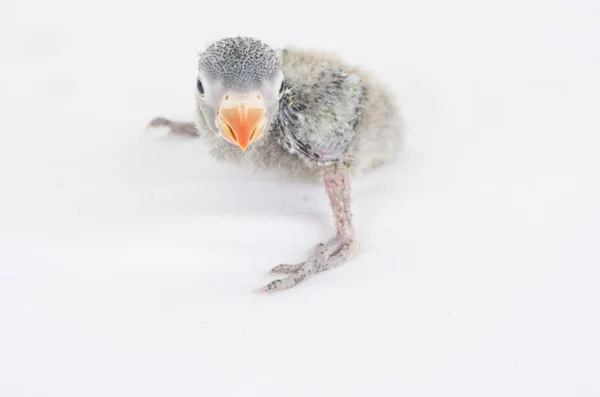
(175, 128)
(332, 253)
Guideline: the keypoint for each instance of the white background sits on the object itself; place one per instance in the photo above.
(128, 260)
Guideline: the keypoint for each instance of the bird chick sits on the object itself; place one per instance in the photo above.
(303, 113)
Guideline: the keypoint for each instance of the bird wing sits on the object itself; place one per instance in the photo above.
(319, 111)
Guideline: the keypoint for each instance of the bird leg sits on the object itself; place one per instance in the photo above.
(332, 253)
(175, 128)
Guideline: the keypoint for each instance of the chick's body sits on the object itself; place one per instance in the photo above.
(330, 114)
(305, 114)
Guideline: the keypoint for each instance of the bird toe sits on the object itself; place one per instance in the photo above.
(285, 269)
(284, 283)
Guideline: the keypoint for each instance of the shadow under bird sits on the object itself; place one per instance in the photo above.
(307, 114)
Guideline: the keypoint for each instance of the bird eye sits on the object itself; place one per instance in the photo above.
(200, 87)
(281, 89)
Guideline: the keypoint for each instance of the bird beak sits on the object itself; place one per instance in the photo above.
(242, 118)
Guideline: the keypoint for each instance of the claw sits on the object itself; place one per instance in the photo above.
(284, 283)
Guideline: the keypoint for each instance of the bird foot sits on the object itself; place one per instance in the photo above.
(175, 128)
(326, 256)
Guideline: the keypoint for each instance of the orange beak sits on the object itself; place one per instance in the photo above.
(242, 120)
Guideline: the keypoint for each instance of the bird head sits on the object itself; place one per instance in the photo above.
(239, 85)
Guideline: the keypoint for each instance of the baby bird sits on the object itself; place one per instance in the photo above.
(306, 114)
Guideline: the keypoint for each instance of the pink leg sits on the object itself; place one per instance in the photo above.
(332, 253)
(337, 184)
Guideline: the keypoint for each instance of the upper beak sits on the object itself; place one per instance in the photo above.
(242, 118)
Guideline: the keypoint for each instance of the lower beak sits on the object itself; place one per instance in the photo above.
(242, 123)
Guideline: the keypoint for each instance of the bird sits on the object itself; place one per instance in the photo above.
(307, 114)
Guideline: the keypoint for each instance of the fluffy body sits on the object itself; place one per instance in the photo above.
(342, 112)
(332, 121)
